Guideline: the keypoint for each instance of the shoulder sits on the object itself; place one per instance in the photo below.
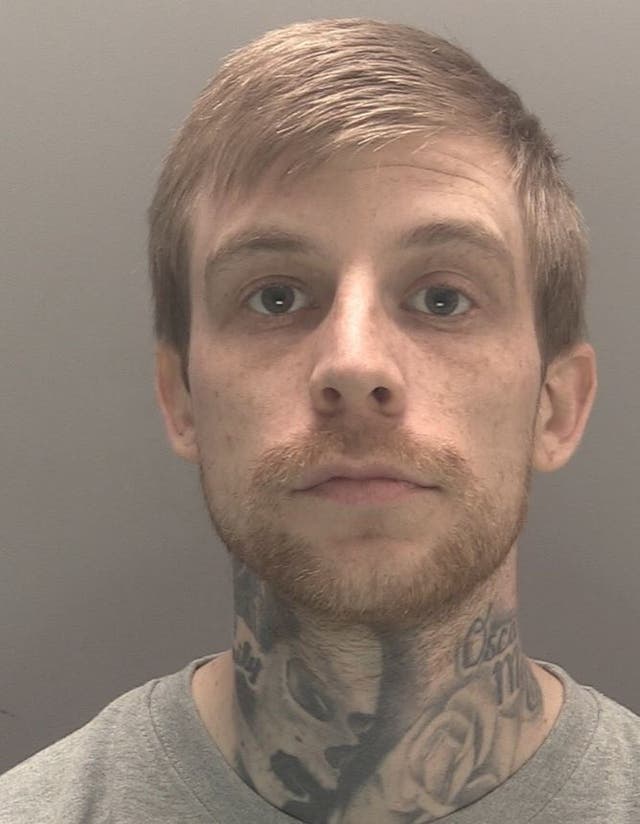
(617, 732)
(606, 783)
(62, 781)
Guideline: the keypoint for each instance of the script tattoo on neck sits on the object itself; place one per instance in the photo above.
(494, 642)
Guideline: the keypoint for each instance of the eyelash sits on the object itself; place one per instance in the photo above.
(257, 288)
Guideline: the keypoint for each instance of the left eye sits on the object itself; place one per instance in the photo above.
(442, 297)
(277, 299)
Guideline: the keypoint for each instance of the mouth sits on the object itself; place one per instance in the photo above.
(370, 491)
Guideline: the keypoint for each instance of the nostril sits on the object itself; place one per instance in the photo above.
(381, 393)
(331, 394)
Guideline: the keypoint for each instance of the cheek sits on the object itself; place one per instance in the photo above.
(231, 410)
(506, 419)
(222, 419)
(493, 407)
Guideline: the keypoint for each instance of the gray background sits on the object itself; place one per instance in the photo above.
(110, 573)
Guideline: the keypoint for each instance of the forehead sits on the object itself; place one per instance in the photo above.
(374, 197)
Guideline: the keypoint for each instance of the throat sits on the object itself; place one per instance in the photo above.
(320, 742)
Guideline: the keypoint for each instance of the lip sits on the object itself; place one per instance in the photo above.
(372, 491)
(368, 472)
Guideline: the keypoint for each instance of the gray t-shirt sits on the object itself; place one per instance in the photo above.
(147, 757)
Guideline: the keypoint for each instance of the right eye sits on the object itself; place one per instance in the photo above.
(275, 298)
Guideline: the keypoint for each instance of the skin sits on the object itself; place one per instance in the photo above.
(376, 671)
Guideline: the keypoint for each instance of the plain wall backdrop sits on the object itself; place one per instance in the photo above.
(110, 572)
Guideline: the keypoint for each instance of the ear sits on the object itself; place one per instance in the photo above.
(175, 403)
(565, 405)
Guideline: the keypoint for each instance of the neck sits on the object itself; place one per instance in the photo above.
(334, 724)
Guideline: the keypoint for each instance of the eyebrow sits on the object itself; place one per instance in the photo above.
(258, 240)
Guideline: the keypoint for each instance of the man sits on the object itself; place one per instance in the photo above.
(369, 282)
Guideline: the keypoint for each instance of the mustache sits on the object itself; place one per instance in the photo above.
(282, 465)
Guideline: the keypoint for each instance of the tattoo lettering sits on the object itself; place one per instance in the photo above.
(483, 642)
(251, 664)
(497, 641)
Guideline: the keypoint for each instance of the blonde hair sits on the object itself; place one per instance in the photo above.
(313, 89)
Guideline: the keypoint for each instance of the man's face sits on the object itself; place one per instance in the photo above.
(354, 352)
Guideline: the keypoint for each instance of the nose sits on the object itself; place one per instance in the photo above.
(357, 369)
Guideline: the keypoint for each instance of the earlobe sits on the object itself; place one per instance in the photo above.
(565, 404)
(175, 403)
